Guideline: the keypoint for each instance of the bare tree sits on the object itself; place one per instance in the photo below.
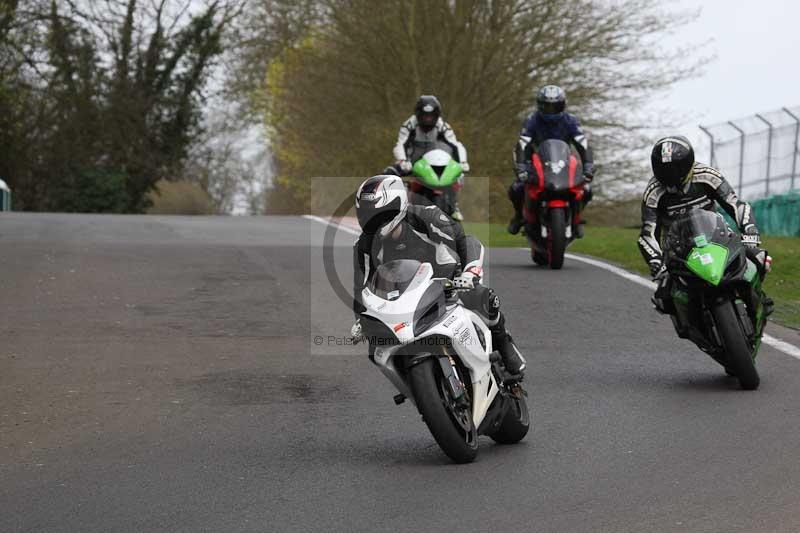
(335, 94)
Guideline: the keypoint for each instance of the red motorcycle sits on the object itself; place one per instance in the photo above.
(553, 200)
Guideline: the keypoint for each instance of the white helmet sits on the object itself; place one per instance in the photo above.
(381, 203)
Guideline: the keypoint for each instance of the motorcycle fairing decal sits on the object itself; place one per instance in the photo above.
(573, 166)
(708, 262)
(537, 164)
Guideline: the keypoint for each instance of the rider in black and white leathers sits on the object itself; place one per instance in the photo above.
(427, 234)
(679, 185)
(706, 187)
(411, 131)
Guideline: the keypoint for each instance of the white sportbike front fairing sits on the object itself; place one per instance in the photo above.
(439, 355)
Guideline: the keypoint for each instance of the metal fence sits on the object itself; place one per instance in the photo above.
(759, 154)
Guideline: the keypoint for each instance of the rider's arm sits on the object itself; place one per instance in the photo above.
(443, 231)
(403, 136)
(522, 148)
(727, 198)
(450, 137)
(648, 237)
(581, 144)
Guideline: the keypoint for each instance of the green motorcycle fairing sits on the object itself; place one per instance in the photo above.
(708, 262)
(423, 169)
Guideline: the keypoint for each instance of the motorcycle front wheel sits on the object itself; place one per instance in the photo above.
(450, 424)
(557, 240)
(737, 349)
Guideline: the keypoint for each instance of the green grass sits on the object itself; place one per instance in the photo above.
(618, 245)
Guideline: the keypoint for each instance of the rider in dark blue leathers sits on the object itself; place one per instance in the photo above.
(550, 121)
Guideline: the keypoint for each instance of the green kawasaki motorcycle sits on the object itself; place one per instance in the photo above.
(716, 299)
(436, 176)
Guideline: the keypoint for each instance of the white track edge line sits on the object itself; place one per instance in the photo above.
(782, 346)
(328, 222)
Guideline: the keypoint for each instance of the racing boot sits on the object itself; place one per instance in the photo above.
(769, 305)
(579, 229)
(504, 344)
(515, 224)
(516, 193)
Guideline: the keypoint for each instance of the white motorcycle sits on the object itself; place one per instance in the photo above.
(439, 355)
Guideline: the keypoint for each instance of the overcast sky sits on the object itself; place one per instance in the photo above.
(756, 67)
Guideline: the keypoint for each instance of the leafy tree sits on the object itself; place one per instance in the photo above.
(117, 89)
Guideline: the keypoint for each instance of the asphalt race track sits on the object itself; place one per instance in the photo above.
(189, 374)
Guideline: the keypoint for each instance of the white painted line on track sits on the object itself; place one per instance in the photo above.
(782, 346)
(342, 226)
(615, 269)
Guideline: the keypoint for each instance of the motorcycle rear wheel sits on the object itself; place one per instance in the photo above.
(737, 349)
(452, 426)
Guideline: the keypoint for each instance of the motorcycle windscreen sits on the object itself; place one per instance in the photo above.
(420, 148)
(393, 278)
(701, 238)
(560, 173)
(698, 227)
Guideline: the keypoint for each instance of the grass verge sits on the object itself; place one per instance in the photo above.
(618, 245)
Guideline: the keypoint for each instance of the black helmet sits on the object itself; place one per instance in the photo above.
(428, 110)
(551, 101)
(381, 203)
(672, 159)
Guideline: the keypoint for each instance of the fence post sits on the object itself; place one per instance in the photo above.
(741, 154)
(795, 148)
(711, 138)
(769, 149)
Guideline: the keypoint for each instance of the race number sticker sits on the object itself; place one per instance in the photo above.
(705, 259)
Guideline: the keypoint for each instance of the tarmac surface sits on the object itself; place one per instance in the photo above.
(190, 374)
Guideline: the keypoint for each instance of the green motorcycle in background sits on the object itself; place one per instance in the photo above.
(717, 300)
(436, 176)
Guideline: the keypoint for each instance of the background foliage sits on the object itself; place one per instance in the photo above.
(101, 99)
(344, 74)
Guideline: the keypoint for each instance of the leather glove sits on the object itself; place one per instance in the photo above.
(751, 237)
(465, 280)
(588, 175)
(405, 166)
(522, 175)
(465, 167)
(356, 332)
(657, 270)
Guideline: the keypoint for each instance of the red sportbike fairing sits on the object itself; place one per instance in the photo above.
(553, 198)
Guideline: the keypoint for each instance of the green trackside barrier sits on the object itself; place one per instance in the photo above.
(777, 215)
(5, 197)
